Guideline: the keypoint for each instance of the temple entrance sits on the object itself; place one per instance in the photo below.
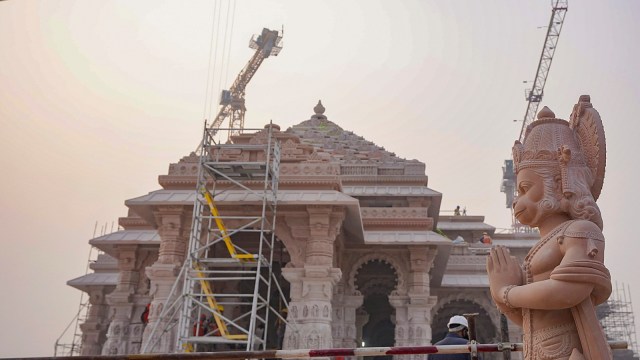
(379, 331)
(375, 280)
(485, 329)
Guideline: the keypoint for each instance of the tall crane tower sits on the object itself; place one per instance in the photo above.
(534, 95)
(266, 44)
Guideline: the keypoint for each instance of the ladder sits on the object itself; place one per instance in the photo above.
(223, 230)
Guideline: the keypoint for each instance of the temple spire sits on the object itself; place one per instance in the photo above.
(319, 111)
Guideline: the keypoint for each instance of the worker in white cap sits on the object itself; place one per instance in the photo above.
(458, 335)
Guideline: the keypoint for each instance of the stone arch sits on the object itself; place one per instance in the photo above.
(483, 302)
(376, 280)
(488, 325)
(388, 259)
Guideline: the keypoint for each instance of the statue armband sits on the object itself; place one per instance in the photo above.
(591, 237)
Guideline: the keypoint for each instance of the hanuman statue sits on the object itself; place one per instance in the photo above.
(553, 294)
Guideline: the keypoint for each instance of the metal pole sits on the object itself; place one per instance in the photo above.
(504, 329)
(312, 353)
(471, 318)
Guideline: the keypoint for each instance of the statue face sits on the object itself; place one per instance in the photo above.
(526, 206)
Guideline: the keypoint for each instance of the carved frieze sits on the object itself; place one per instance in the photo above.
(396, 264)
(397, 212)
(390, 217)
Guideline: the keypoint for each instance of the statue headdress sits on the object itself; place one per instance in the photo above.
(566, 145)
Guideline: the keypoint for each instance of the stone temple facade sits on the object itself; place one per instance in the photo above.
(374, 266)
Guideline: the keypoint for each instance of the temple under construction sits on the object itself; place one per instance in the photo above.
(311, 237)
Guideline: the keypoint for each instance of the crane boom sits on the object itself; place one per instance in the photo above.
(534, 95)
(266, 44)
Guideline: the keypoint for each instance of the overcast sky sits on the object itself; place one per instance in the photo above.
(98, 97)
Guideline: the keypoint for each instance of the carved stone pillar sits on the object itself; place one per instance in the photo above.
(343, 324)
(310, 307)
(362, 317)
(312, 283)
(94, 328)
(173, 228)
(121, 302)
(413, 311)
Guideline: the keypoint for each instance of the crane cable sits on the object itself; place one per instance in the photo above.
(207, 88)
(218, 65)
(233, 21)
(224, 48)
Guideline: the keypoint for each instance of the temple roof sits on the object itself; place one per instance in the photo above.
(94, 279)
(342, 145)
(143, 205)
(108, 242)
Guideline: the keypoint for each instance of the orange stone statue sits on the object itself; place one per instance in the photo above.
(553, 294)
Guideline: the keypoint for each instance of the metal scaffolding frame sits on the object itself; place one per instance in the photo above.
(617, 318)
(227, 279)
(70, 342)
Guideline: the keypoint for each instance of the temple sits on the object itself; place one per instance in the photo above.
(363, 254)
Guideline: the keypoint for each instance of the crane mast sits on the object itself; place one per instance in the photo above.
(534, 96)
(232, 101)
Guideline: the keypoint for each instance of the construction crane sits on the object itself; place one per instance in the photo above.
(534, 95)
(266, 44)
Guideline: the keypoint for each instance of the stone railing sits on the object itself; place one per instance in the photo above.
(471, 249)
(183, 169)
(466, 262)
(414, 168)
(393, 213)
(391, 170)
(399, 169)
(359, 169)
(308, 169)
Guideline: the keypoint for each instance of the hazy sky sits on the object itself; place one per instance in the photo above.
(98, 97)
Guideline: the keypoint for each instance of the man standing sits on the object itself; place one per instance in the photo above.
(458, 335)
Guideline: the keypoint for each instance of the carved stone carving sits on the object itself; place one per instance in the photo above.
(387, 258)
(560, 172)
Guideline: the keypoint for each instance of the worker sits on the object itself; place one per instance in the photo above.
(486, 239)
(144, 317)
(458, 334)
(199, 328)
(456, 212)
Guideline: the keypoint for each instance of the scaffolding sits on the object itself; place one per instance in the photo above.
(617, 318)
(227, 282)
(69, 343)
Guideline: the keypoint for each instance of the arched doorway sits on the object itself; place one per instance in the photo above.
(375, 280)
(485, 329)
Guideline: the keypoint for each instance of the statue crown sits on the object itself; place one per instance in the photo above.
(549, 143)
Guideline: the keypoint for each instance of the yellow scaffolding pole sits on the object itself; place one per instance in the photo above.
(211, 300)
(223, 230)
